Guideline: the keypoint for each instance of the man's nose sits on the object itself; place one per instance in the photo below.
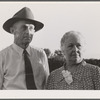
(27, 31)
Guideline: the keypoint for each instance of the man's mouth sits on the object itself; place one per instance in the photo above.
(26, 37)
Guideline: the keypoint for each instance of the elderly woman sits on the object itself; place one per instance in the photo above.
(75, 74)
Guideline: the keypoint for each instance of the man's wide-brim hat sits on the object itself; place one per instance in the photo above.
(24, 14)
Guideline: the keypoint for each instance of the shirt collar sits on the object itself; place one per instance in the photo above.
(20, 50)
(28, 50)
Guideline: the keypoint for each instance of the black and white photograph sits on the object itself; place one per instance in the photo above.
(48, 46)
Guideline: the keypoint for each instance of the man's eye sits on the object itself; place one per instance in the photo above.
(70, 46)
(31, 28)
(23, 28)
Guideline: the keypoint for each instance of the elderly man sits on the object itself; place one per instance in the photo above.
(22, 66)
(75, 74)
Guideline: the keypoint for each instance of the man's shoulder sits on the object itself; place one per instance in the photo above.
(37, 50)
(3, 51)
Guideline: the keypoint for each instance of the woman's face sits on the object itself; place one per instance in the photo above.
(73, 49)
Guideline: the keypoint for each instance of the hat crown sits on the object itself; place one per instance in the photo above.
(24, 13)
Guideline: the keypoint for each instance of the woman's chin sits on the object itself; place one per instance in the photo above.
(76, 60)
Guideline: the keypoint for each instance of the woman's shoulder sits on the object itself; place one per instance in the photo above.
(92, 67)
(57, 72)
(88, 65)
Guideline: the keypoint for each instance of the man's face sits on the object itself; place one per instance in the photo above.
(73, 49)
(23, 32)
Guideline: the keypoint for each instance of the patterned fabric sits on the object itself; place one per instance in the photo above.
(85, 77)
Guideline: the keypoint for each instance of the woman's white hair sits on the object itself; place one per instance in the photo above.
(68, 34)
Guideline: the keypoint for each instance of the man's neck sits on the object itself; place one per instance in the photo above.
(23, 46)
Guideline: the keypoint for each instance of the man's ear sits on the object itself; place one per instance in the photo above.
(12, 30)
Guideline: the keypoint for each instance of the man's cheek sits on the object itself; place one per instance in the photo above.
(31, 35)
(18, 37)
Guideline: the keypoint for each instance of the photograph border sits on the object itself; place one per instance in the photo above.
(8, 98)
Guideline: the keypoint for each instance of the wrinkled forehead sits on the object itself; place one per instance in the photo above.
(23, 22)
(72, 37)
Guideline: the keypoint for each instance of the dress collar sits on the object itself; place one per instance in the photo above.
(77, 74)
(20, 50)
(79, 71)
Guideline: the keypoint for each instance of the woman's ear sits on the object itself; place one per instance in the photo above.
(62, 49)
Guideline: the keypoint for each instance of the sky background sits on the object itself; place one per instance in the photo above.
(58, 18)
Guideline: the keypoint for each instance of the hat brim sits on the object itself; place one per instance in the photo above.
(6, 26)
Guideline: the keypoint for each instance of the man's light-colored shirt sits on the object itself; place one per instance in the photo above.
(12, 68)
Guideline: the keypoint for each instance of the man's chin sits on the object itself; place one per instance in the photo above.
(26, 42)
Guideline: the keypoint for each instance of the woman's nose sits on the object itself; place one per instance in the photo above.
(75, 48)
